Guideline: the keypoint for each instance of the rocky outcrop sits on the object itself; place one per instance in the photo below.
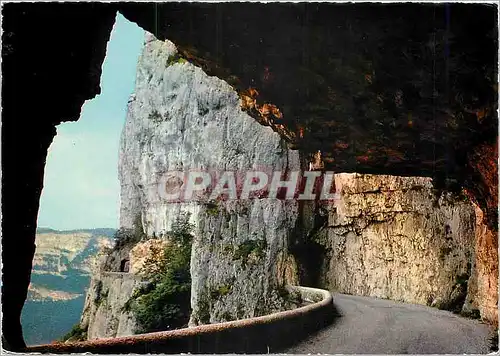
(483, 163)
(397, 238)
(146, 252)
(107, 310)
(181, 119)
(105, 313)
(483, 288)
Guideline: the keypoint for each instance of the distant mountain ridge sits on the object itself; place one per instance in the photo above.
(59, 279)
(58, 252)
(103, 231)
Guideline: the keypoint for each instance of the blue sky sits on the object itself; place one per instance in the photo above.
(81, 187)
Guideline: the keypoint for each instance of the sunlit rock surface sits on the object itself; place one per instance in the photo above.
(483, 290)
(181, 119)
(397, 238)
(145, 253)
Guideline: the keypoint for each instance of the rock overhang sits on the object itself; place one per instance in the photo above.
(402, 89)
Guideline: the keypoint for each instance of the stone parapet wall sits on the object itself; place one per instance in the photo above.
(269, 333)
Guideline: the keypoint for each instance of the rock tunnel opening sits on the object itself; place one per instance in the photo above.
(125, 266)
(79, 203)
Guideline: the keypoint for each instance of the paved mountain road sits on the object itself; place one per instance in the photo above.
(378, 326)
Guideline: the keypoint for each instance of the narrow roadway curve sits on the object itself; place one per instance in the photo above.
(378, 326)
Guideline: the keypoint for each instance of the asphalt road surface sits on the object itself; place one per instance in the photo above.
(378, 326)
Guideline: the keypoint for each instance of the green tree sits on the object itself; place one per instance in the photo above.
(166, 304)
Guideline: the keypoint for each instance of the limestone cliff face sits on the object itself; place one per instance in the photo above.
(394, 237)
(483, 289)
(181, 119)
(385, 236)
(105, 313)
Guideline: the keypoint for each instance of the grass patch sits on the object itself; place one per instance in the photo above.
(176, 58)
(212, 208)
(250, 247)
(103, 296)
(77, 333)
(218, 293)
(156, 116)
